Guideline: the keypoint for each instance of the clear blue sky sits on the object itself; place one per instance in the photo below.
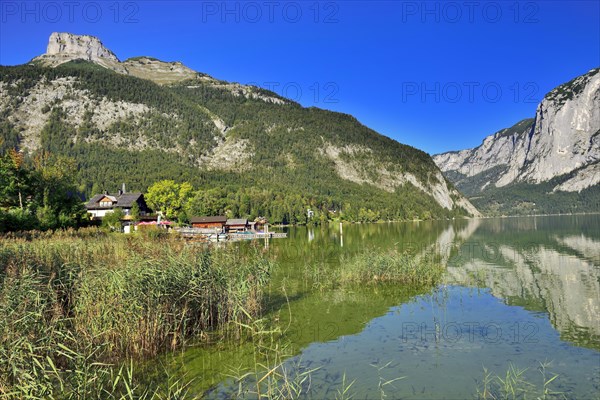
(435, 75)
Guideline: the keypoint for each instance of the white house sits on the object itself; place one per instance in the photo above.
(102, 204)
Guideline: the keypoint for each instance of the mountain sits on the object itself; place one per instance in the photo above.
(65, 47)
(550, 163)
(143, 120)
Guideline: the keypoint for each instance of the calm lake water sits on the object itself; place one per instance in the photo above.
(518, 291)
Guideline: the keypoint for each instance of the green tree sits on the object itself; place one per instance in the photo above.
(47, 218)
(163, 196)
(44, 192)
(135, 212)
(14, 179)
(55, 189)
(169, 197)
(112, 221)
(186, 191)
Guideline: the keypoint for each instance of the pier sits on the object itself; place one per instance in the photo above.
(198, 233)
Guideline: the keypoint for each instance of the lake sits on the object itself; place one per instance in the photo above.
(520, 294)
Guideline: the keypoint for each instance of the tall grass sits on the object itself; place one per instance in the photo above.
(76, 305)
(392, 267)
(375, 267)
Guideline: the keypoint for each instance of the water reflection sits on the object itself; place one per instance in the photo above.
(525, 263)
(549, 267)
(435, 346)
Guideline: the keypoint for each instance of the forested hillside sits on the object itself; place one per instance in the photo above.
(251, 151)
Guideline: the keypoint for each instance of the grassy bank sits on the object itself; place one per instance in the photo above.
(76, 305)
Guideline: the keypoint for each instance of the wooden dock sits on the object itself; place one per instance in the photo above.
(257, 235)
(197, 233)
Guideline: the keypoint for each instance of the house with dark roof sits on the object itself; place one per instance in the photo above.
(102, 204)
(237, 225)
(216, 222)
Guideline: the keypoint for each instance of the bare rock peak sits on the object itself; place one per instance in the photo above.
(64, 47)
(562, 139)
(82, 46)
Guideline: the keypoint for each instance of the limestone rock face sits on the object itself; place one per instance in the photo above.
(65, 47)
(566, 132)
(81, 46)
(564, 138)
(362, 173)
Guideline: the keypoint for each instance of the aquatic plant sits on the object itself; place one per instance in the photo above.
(514, 385)
(78, 306)
(391, 267)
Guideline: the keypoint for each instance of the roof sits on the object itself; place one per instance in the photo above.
(237, 222)
(208, 220)
(165, 222)
(124, 200)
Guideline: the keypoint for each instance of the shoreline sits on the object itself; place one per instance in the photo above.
(437, 219)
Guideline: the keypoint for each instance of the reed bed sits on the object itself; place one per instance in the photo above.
(78, 307)
(372, 267)
(391, 267)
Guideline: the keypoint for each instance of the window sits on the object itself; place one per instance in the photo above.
(105, 203)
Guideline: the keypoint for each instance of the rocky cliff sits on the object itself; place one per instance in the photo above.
(64, 47)
(87, 47)
(564, 137)
(560, 146)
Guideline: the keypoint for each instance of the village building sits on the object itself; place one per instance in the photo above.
(259, 224)
(217, 222)
(237, 225)
(102, 204)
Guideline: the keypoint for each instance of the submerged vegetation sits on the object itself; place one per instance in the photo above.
(276, 375)
(293, 380)
(77, 305)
